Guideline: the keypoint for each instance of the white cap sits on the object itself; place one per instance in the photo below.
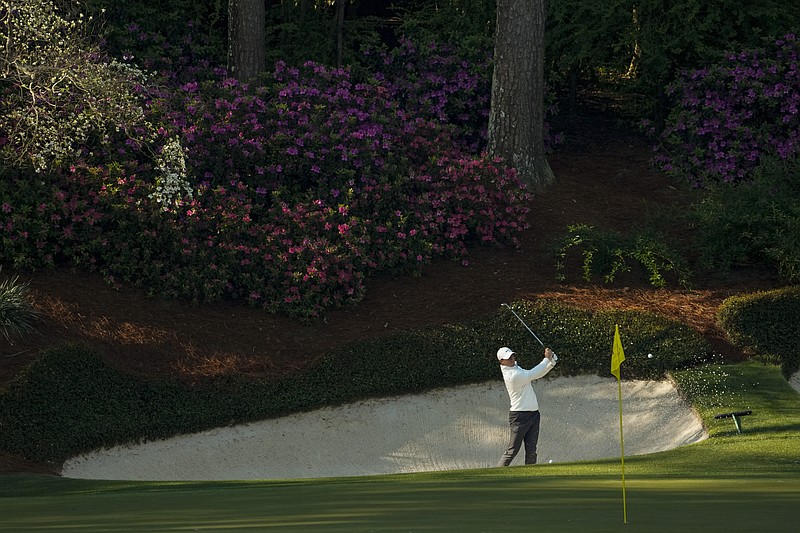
(504, 353)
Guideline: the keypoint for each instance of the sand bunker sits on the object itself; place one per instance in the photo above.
(447, 429)
(794, 381)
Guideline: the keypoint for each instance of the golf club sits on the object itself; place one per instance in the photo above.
(526, 327)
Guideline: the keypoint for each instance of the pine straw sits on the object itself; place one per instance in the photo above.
(696, 309)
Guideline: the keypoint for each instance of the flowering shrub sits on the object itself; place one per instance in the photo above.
(301, 258)
(451, 86)
(44, 218)
(730, 115)
(434, 82)
(172, 187)
(59, 98)
(471, 200)
(287, 196)
(312, 128)
(177, 61)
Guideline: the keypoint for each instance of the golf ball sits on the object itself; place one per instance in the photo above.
(649, 356)
(550, 461)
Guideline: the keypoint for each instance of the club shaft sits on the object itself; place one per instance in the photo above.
(524, 324)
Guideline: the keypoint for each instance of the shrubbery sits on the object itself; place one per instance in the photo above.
(68, 401)
(608, 254)
(287, 195)
(584, 338)
(729, 116)
(437, 84)
(61, 98)
(767, 324)
(734, 132)
(754, 221)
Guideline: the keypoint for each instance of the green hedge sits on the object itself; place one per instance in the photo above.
(69, 402)
(767, 324)
(585, 338)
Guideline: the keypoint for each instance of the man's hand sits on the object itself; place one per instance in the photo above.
(548, 353)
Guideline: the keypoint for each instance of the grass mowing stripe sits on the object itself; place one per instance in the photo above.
(553, 503)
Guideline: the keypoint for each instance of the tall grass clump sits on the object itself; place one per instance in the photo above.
(17, 315)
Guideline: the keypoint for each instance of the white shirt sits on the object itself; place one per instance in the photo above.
(518, 383)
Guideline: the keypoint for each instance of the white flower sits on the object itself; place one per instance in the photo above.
(172, 187)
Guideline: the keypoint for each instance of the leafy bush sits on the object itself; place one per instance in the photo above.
(754, 221)
(729, 116)
(609, 254)
(435, 82)
(639, 49)
(204, 24)
(287, 196)
(46, 217)
(583, 339)
(68, 401)
(765, 323)
(311, 128)
(469, 24)
(60, 96)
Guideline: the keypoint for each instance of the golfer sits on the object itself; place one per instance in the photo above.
(524, 413)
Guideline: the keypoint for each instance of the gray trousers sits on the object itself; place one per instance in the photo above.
(524, 428)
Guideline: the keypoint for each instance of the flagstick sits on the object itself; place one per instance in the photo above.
(617, 357)
(622, 446)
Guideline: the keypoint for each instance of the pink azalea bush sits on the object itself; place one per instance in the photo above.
(45, 219)
(436, 82)
(736, 131)
(299, 190)
(732, 114)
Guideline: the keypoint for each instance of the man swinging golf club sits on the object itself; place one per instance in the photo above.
(523, 416)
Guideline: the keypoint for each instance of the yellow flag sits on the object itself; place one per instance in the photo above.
(617, 357)
(617, 354)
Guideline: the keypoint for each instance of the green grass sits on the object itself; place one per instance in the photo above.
(729, 483)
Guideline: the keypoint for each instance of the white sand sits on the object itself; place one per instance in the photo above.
(447, 429)
(794, 381)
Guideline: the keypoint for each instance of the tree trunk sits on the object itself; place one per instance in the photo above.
(516, 118)
(637, 50)
(246, 39)
(340, 9)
